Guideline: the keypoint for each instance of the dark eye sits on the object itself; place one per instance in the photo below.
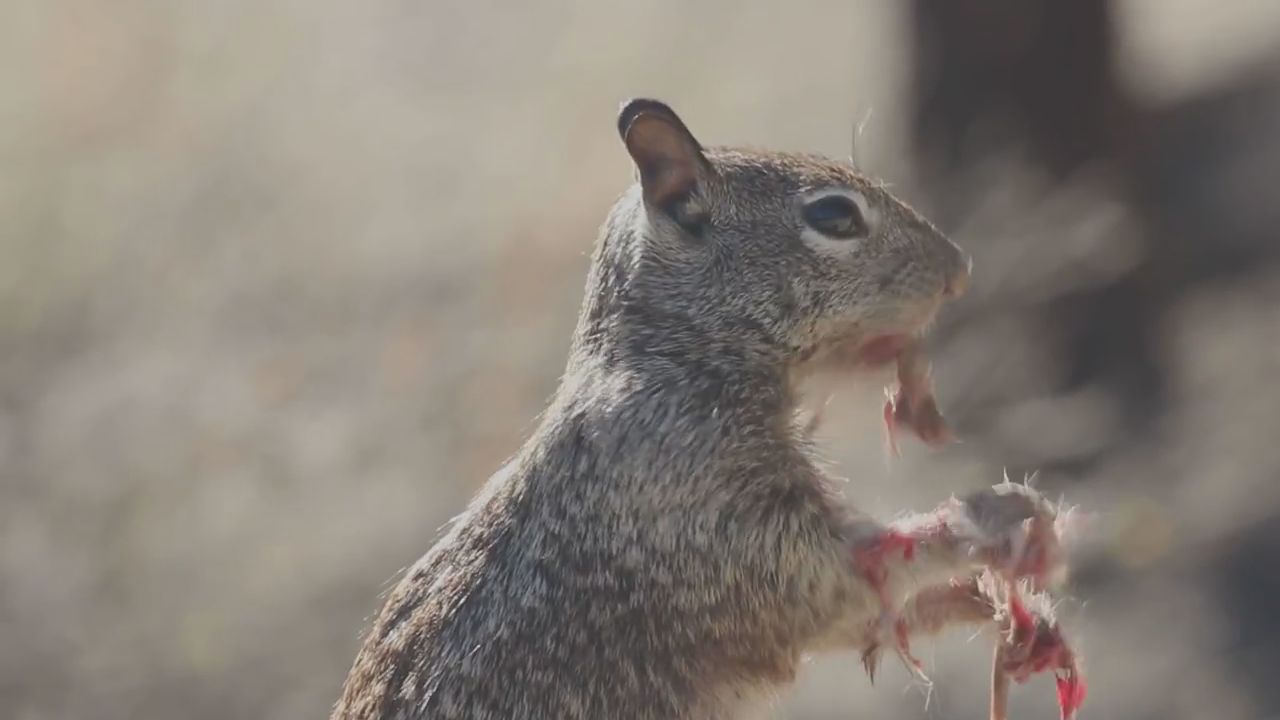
(835, 216)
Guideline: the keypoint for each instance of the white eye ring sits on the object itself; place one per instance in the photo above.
(836, 246)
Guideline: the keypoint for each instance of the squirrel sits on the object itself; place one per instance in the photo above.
(666, 545)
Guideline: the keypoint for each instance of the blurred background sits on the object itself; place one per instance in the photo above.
(282, 282)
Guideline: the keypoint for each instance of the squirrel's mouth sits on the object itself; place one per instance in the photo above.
(884, 345)
(863, 352)
(873, 345)
(881, 350)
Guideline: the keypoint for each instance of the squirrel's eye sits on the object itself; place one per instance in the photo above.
(835, 216)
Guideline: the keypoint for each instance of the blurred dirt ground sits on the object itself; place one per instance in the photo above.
(282, 282)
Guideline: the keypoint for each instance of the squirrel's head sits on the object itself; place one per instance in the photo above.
(804, 254)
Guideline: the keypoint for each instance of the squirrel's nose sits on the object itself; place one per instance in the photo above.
(958, 273)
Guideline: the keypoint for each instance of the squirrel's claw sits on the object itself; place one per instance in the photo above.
(871, 661)
(1071, 691)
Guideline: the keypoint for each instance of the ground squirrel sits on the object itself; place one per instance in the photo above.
(665, 546)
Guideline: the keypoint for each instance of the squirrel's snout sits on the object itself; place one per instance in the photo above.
(959, 267)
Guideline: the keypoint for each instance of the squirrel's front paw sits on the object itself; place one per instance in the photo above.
(1016, 532)
(1031, 642)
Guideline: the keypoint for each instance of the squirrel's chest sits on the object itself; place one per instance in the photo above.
(715, 574)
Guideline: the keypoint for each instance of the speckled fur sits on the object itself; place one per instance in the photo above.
(664, 546)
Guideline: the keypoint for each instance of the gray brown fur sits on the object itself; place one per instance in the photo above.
(664, 545)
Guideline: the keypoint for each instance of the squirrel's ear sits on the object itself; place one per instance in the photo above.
(668, 157)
